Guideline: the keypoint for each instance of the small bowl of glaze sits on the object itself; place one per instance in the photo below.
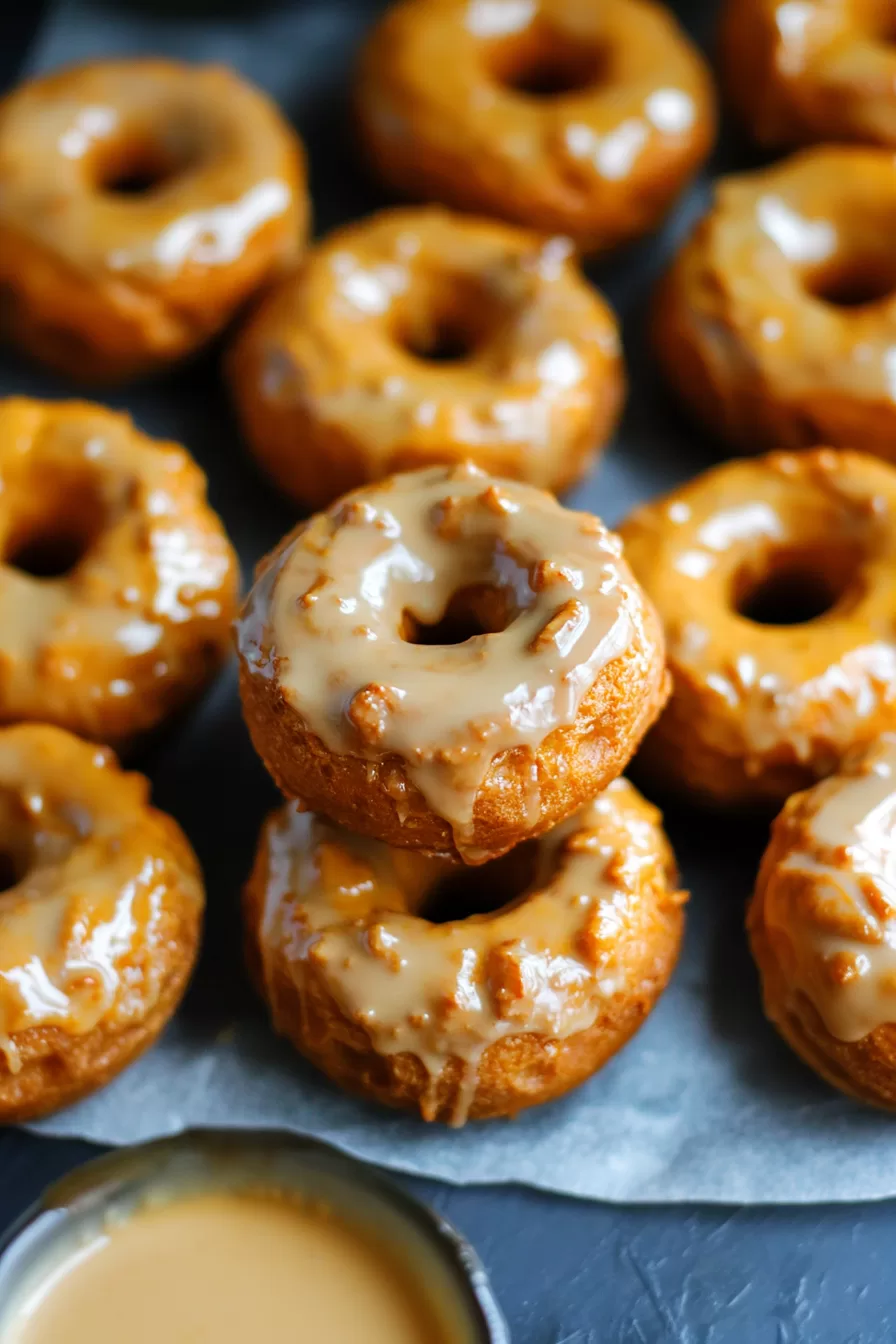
(227, 1236)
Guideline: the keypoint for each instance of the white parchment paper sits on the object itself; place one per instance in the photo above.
(706, 1103)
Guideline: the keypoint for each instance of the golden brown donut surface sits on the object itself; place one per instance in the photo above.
(117, 581)
(775, 579)
(141, 201)
(478, 1016)
(448, 662)
(814, 70)
(777, 320)
(418, 336)
(99, 922)
(563, 115)
(823, 925)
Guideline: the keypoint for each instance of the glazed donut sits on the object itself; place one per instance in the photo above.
(141, 202)
(117, 581)
(775, 579)
(417, 337)
(823, 70)
(562, 115)
(448, 662)
(483, 1015)
(99, 922)
(822, 925)
(777, 321)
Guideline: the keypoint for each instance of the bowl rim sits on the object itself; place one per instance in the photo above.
(95, 1181)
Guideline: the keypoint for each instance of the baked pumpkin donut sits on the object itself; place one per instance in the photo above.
(777, 320)
(818, 70)
(823, 925)
(563, 115)
(448, 662)
(99, 920)
(117, 581)
(141, 202)
(482, 1015)
(417, 337)
(775, 580)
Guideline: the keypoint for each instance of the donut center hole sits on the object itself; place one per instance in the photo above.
(477, 610)
(18, 854)
(10, 870)
(137, 167)
(50, 557)
(465, 892)
(544, 62)
(51, 538)
(794, 590)
(856, 283)
(442, 343)
(446, 319)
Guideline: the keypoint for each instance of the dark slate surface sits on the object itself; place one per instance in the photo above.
(578, 1273)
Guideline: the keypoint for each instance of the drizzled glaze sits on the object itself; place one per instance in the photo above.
(814, 70)
(332, 393)
(142, 618)
(100, 882)
(107, 283)
(777, 321)
(751, 701)
(826, 897)
(581, 935)
(600, 160)
(328, 616)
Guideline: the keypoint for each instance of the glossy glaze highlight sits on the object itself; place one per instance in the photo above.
(99, 918)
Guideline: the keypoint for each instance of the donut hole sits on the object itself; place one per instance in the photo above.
(464, 893)
(446, 320)
(58, 522)
(794, 588)
(137, 166)
(856, 282)
(480, 609)
(546, 62)
(10, 870)
(17, 844)
(444, 342)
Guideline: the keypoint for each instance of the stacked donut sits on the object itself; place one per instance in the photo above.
(450, 671)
